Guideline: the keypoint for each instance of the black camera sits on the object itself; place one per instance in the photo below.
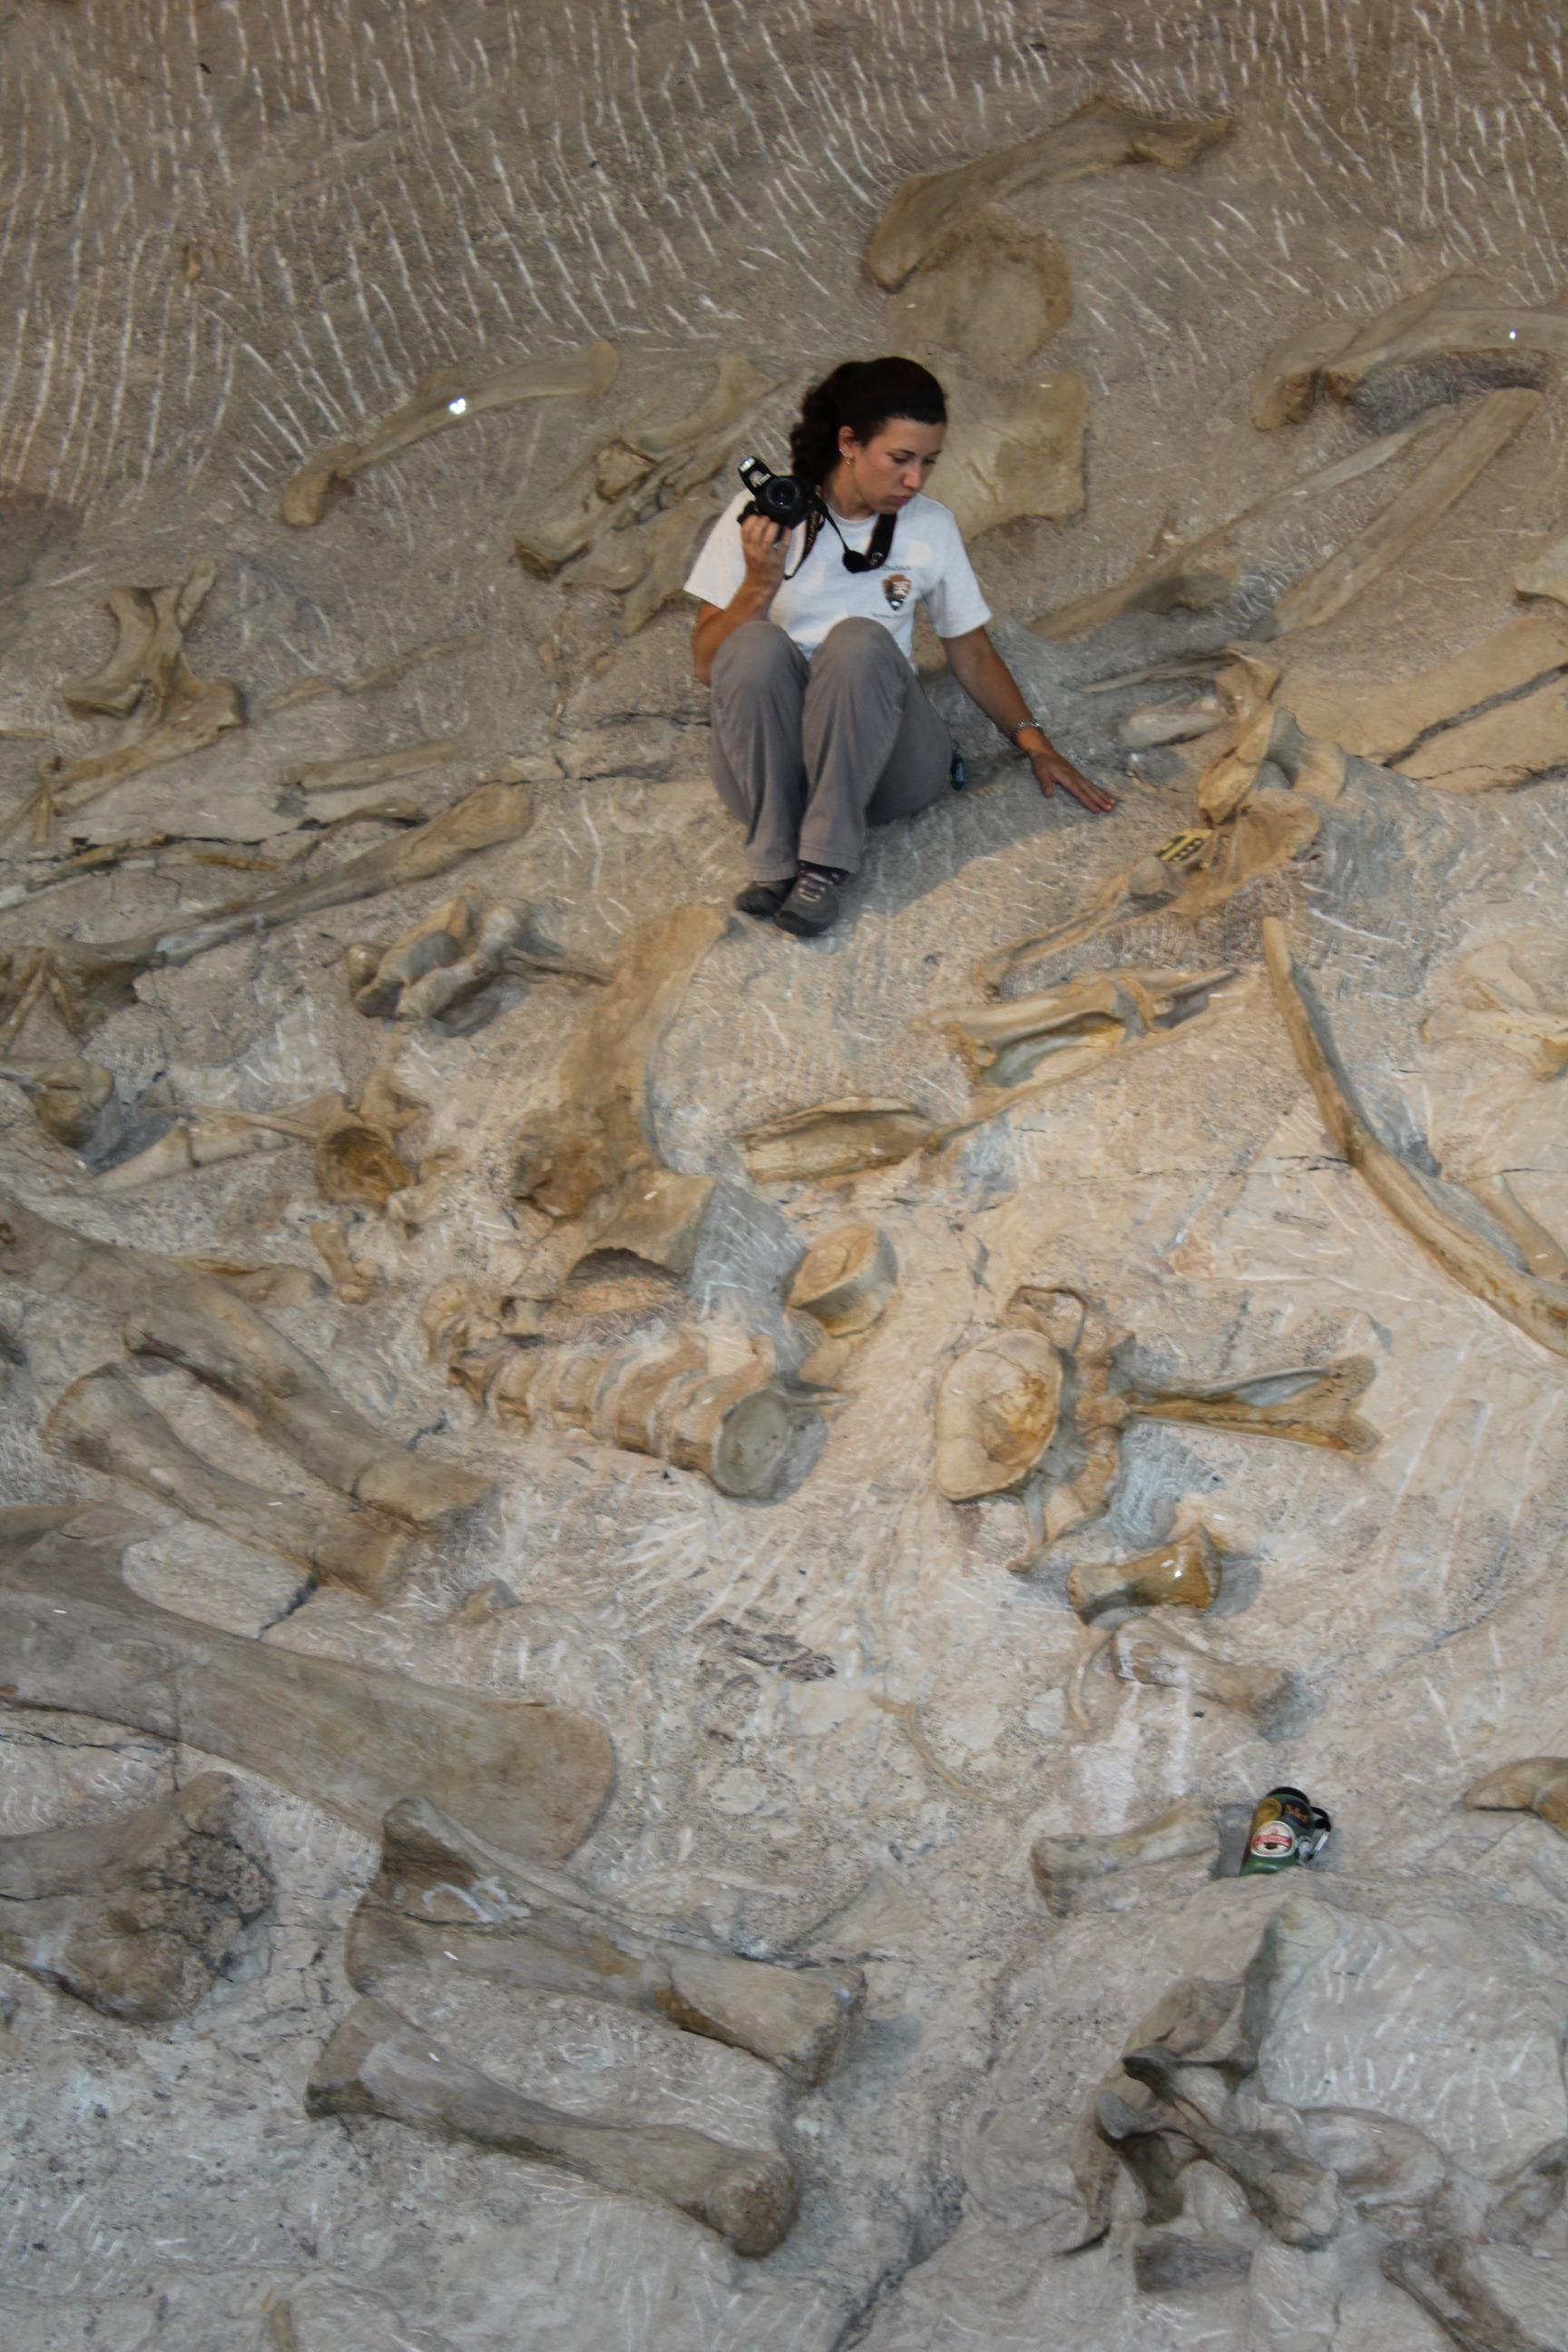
(778, 497)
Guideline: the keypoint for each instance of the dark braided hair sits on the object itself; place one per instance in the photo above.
(863, 395)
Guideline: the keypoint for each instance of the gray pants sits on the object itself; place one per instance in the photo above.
(808, 753)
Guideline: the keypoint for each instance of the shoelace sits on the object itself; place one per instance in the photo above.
(812, 885)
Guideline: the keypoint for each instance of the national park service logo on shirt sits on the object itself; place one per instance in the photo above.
(896, 588)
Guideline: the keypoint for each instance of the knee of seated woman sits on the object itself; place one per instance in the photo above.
(756, 649)
(857, 639)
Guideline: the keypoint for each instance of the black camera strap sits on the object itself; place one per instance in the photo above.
(876, 554)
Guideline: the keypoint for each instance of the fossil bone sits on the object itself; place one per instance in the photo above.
(196, 1320)
(1310, 1406)
(1513, 1015)
(352, 1283)
(530, 1780)
(91, 980)
(105, 1422)
(137, 1916)
(1457, 318)
(377, 2064)
(1098, 136)
(1537, 1785)
(1543, 1252)
(1441, 482)
(835, 1139)
(191, 726)
(1052, 1037)
(356, 1160)
(443, 1894)
(1271, 734)
(149, 652)
(443, 400)
(1444, 2277)
(603, 1134)
(1498, 748)
(989, 287)
(996, 1413)
(1545, 574)
(74, 1100)
(1170, 723)
(1381, 719)
(437, 969)
(1536, 1306)
(1017, 454)
(1145, 1650)
(1060, 1865)
(1185, 1574)
(375, 767)
(209, 1137)
(845, 1280)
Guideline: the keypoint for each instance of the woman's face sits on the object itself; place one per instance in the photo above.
(890, 469)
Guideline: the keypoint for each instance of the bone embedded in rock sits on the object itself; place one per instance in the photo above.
(845, 1280)
(1511, 1014)
(1049, 1038)
(375, 767)
(104, 1421)
(1459, 316)
(1543, 1252)
(193, 727)
(531, 1780)
(444, 1895)
(837, 1138)
(1538, 1784)
(377, 2064)
(658, 1220)
(74, 1101)
(1170, 723)
(1145, 1650)
(1313, 1406)
(1098, 137)
(1184, 1574)
(1379, 719)
(989, 287)
(1538, 1307)
(603, 1129)
(1545, 574)
(352, 1283)
(357, 1160)
(1184, 1832)
(139, 1917)
(996, 1411)
(148, 658)
(439, 937)
(1494, 422)
(1499, 748)
(1018, 454)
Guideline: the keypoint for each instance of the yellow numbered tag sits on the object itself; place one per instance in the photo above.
(1183, 845)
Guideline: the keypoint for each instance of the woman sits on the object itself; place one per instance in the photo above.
(820, 728)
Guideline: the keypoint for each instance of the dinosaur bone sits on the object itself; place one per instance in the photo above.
(837, 1138)
(352, 1283)
(1446, 2279)
(1016, 453)
(149, 653)
(201, 1142)
(1494, 422)
(603, 1133)
(1381, 719)
(1455, 319)
(1513, 1015)
(74, 1100)
(1541, 1251)
(1046, 1039)
(91, 980)
(1536, 1306)
(1184, 1574)
(443, 1894)
(989, 287)
(1143, 1650)
(845, 1280)
(1062, 1864)
(1499, 748)
(1537, 1785)
(530, 1780)
(449, 398)
(1545, 574)
(1096, 138)
(196, 1322)
(192, 726)
(996, 1411)
(374, 767)
(1311, 1405)
(377, 2064)
(437, 970)
(1270, 733)
(105, 1422)
(137, 1916)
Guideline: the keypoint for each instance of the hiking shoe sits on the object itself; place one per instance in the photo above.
(812, 907)
(763, 899)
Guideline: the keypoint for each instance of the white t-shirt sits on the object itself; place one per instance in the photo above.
(927, 563)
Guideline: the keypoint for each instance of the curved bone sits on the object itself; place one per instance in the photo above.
(531, 1779)
(1185, 1831)
(151, 623)
(377, 2064)
(137, 1916)
(1457, 317)
(103, 1421)
(1018, 454)
(1499, 748)
(1185, 1574)
(1311, 1406)
(1144, 1651)
(1379, 719)
(1538, 1307)
(442, 1894)
(1538, 1784)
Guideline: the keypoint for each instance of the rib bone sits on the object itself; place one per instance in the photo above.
(530, 1780)
(442, 1894)
(376, 2063)
(137, 1916)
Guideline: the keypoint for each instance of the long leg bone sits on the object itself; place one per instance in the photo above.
(1184, 1832)
(1185, 1574)
(377, 2064)
(443, 1894)
(104, 1421)
(1537, 1307)
(1144, 1651)
(1312, 1406)
(137, 1916)
(530, 1780)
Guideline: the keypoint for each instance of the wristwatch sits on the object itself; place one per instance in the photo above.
(1014, 732)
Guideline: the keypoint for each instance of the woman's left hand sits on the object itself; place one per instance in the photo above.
(1050, 769)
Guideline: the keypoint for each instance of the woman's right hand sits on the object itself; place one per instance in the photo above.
(765, 546)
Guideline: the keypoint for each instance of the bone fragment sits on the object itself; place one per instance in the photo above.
(837, 1138)
(1545, 574)
(663, 560)
(356, 1161)
(989, 287)
(996, 1411)
(1538, 1307)
(1017, 454)
(1455, 319)
(353, 1284)
(603, 1134)
(1185, 1574)
(845, 1279)
(196, 1322)
(531, 1779)
(1310, 1406)
(1170, 723)
(97, 978)
(660, 1399)
(149, 656)
(1098, 136)
(138, 1916)
(104, 1421)
(1060, 1865)
(443, 1894)
(659, 1221)
(1543, 1252)
(194, 1143)
(1269, 734)
(377, 2064)
(74, 1100)
(1499, 748)
(1537, 1785)
(449, 398)
(375, 768)
(1379, 720)
(191, 726)
(1513, 1015)
(1424, 499)
(1067, 1029)
(1295, 2199)
(1143, 1650)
